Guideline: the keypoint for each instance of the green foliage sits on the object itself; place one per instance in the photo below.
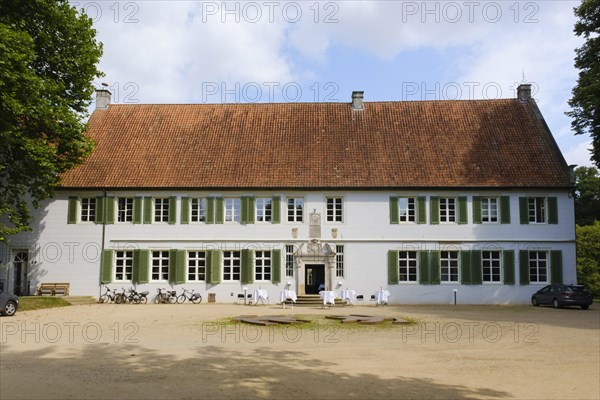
(585, 102)
(48, 57)
(588, 256)
(587, 195)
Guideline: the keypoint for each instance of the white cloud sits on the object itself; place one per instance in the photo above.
(579, 154)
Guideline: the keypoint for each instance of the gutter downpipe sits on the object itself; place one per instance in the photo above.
(103, 238)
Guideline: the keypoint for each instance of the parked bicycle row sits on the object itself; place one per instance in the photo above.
(162, 297)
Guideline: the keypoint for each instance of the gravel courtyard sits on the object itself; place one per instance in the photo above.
(188, 352)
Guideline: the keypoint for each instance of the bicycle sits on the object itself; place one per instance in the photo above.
(121, 298)
(195, 298)
(108, 296)
(166, 296)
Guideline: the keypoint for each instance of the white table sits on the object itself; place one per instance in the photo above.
(260, 295)
(287, 294)
(382, 296)
(348, 295)
(328, 297)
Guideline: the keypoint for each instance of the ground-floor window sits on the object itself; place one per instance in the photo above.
(289, 260)
(449, 266)
(262, 266)
(407, 266)
(339, 261)
(123, 265)
(538, 266)
(231, 265)
(196, 266)
(160, 265)
(491, 266)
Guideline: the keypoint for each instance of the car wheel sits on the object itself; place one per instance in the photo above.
(534, 301)
(585, 307)
(556, 304)
(10, 309)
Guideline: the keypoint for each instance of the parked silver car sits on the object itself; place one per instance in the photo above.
(9, 303)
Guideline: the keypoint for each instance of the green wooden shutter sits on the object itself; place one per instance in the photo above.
(476, 209)
(393, 267)
(185, 210)
(434, 267)
(107, 266)
(434, 210)
(465, 267)
(505, 210)
(110, 210)
(144, 266)
(137, 210)
(99, 217)
(523, 210)
(476, 268)
(219, 210)
(210, 210)
(135, 275)
(424, 275)
(180, 267)
(172, 210)
(394, 214)
(72, 210)
(252, 210)
(276, 265)
(148, 210)
(247, 266)
(172, 265)
(524, 267)
(556, 271)
(244, 216)
(214, 266)
(276, 210)
(552, 210)
(421, 210)
(508, 264)
(463, 218)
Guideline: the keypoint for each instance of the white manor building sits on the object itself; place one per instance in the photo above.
(420, 198)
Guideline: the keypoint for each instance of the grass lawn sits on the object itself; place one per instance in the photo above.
(27, 303)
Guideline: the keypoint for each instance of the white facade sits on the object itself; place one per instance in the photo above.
(62, 252)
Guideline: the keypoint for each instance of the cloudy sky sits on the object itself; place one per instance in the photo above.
(280, 51)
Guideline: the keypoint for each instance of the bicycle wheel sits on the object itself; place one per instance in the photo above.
(197, 300)
(144, 300)
(172, 299)
(181, 298)
(119, 299)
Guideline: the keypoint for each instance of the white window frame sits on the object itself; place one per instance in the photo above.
(339, 261)
(537, 264)
(408, 260)
(88, 209)
(124, 209)
(295, 214)
(334, 209)
(289, 260)
(407, 209)
(264, 209)
(448, 209)
(162, 267)
(232, 207)
(449, 262)
(263, 265)
(489, 210)
(123, 265)
(537, 208)
(490, 262)
(161, 209)
(198, 206)
(196, 266)
(232, 265)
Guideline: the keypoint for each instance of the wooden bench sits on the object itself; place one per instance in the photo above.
(53, 289)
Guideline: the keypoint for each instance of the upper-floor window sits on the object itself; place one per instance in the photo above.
(123, 265)
(289, 260)
(161, 209)
(88, 209)
(232, 209)
(295, 209)
(491, 266)
(160, 265)
(339, 261)
(125, 209)
(334, 209)
(232, 262)
(407, 209)
(262, 266)
(538, 266)
(407, 266)
(263, 209)
(537, 210)
(198, 210)
(447, 209)
(196, 266)
(449, 266)
(489, 209)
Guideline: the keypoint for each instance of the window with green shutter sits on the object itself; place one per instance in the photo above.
(394, 218)
(508, 265)
(72, 210)
(185, 210)
(275, 265)
(392, 267)
(556, 270)
(141, 260)
(434, 210)
(107, 266)
(504, 209)
(421, 210)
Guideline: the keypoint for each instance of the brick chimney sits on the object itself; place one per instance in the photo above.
(102, 99)
(357, 100)
(524, 92)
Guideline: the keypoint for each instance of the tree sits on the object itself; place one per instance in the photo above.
(587, 195)
(585, 102)
(48, 57)
(588, 256)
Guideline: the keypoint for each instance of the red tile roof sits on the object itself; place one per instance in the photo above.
(472, 143)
